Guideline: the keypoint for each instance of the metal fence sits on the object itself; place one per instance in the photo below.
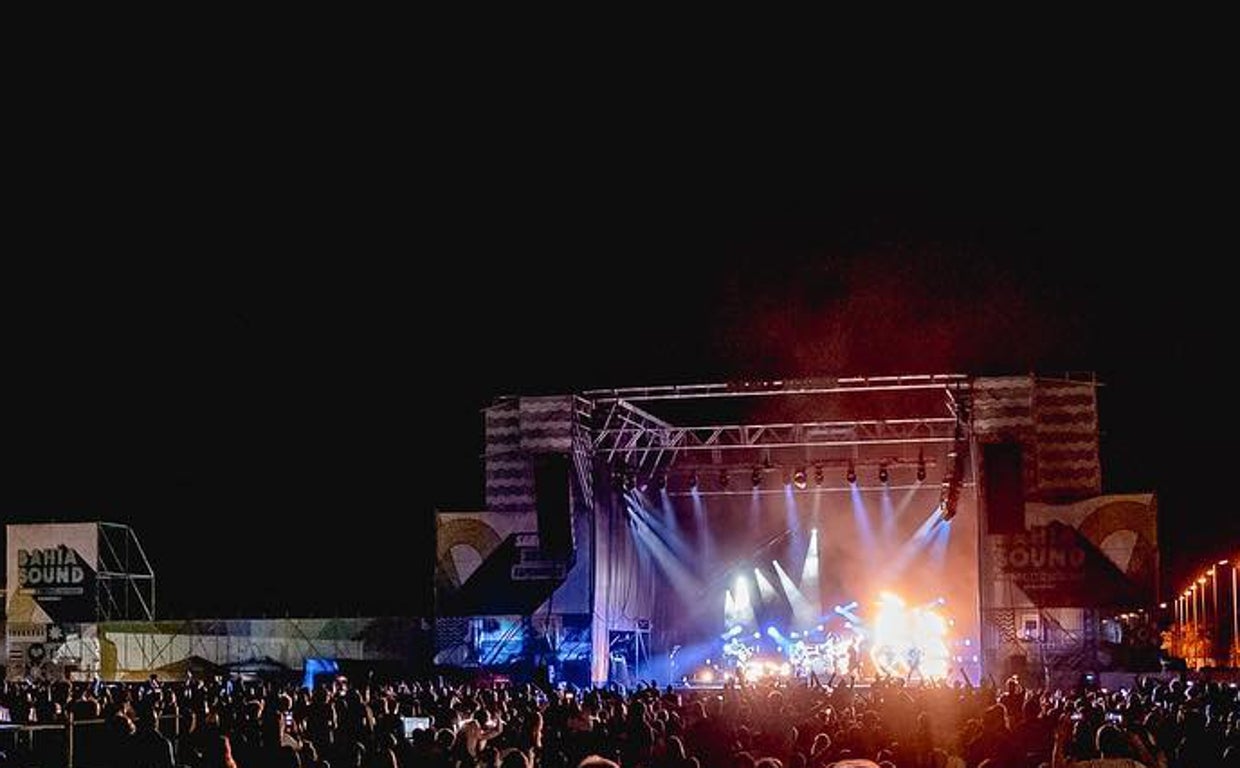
(71, 744)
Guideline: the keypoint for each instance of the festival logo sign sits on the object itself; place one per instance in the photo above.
(51, 573)
(1056, 566)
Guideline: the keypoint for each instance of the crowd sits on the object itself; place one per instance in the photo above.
(220, 723)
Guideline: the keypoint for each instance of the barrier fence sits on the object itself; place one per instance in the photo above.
(71, 744)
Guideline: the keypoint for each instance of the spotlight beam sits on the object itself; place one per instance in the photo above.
(809, 571)
(803, 613)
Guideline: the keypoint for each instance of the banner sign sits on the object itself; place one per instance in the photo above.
(1054, 565)
(50, 570)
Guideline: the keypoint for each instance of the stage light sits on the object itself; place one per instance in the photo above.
(818, 478)
(628, 478)
(756, 477)
(883, 477)
(852, 474)
(921, 468)
(947, 503)
(660, 480)
(799, 478)
(693, 480)
(723, 478)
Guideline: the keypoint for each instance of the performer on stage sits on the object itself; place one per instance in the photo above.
(914, 662)
(738, 652)
(854, 657)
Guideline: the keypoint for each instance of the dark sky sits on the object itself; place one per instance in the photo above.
(271, 363)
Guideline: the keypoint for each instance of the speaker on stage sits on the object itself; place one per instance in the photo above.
(1003, 471)
(551, 500)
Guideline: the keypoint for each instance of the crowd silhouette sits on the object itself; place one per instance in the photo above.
(224, 723)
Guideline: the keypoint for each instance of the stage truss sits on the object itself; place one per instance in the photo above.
(626, 435)
(126, 581)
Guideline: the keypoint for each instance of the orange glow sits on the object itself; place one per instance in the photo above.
(902, 633)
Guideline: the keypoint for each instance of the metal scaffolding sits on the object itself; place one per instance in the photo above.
(126, 581)
(777, 387)
(625, 433)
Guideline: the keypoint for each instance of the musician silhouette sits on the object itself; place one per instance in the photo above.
(854, 659)
(914, 662)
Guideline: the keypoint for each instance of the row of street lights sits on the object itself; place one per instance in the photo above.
(1207, 632)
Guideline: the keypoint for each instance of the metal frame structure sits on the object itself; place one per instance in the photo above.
(625, 433)
(775, 387)
(125, 579)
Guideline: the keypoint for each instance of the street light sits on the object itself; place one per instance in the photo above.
(1213, 572)
(1187, 627)
(1235, 625)
(1193, 599)
(1205, 614)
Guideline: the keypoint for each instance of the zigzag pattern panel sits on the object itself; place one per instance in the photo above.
(1002, 621)
(1066, 428)
(547, 424)
(1003, 407)
(509, 473)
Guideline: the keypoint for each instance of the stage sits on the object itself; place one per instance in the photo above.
(654, 525)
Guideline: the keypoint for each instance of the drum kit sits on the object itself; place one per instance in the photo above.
(822, 658)
(738, 651)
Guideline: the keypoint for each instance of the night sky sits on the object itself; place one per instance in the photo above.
(277, 375)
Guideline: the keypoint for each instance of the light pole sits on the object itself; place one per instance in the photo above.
(1213, 572)
(1196, 624)
(1235, 625)
(1183, 623)
(1194, 601)
(1190, 618)
(1207, 646)
(1181, 603)
(1205, 611)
